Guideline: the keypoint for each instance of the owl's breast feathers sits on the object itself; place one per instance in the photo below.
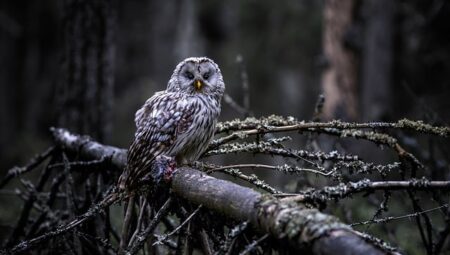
(171, 124)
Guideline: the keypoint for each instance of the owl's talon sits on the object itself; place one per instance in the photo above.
(164, 167)
(168, 174)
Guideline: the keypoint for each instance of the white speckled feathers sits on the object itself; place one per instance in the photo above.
(178, 122)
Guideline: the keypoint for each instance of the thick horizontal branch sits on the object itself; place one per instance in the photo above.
(299, 226)
(89, 149)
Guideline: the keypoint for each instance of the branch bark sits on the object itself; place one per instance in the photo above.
(300, 227)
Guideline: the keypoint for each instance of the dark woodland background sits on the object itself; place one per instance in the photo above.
(88, 66)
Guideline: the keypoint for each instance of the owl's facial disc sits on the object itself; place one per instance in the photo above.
(198, 77)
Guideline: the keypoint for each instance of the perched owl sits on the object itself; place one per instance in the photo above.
(178, 122)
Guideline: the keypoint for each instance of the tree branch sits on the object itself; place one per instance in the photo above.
(301, 227)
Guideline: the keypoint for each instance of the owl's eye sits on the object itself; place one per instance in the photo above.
(206, 76)
(189, 75)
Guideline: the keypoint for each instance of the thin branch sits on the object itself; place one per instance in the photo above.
(26, 210)
(253, 179)
(382, 207)
(267, 147)
(84, 165)
(165, 236)
(245, 85)
(444, 233)
(343, 190)
(227, 245)
(233, 104)
(290, 123)
(28, 244)
(284, 168)
(249, 248)
(34, 162)
(143, 209)
(126, 223)
(318, 108)
(205, 242)
(428, 241)
(391, 218)
(142, 237)
(102, 241)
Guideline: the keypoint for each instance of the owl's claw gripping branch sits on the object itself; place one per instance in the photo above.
(170, 171)
(163, 168)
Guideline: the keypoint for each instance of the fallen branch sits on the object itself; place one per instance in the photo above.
(301, 227)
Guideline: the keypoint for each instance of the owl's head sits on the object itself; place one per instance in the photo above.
(197, 75)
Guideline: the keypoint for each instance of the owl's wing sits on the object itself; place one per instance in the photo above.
(162, 118)
(143, 113)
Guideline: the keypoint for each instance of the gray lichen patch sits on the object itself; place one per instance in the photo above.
(251, 122)
(267, 147)
(422, 127)
(294, 222)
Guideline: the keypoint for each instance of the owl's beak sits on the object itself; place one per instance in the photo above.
(198, 84)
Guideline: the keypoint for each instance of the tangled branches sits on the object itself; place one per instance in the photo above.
(69, 207)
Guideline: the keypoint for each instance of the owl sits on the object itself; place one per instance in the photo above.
(178, 122)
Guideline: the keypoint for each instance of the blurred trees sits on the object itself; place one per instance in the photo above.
(84, 95)
(381, 50)
(88, 65)
(340, 77)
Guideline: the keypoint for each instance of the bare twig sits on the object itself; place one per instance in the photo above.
(290, 124)
(253, 179)
(126, 223)
(20, 225)
(233, 104)
(245, 85)
(142, 237)
(428, 239)
(267, 147)
(205, 242)
(143, 209)
(28, 244)
(253, 245)
(283, 168)
(227, 245)
(391, 218)
(164, 237)
(34, 162)
(343, 190)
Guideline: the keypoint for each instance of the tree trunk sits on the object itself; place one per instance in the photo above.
(376, 73)
(339, 79)
(85, 93)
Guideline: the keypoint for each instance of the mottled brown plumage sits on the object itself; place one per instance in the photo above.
(178, 122)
